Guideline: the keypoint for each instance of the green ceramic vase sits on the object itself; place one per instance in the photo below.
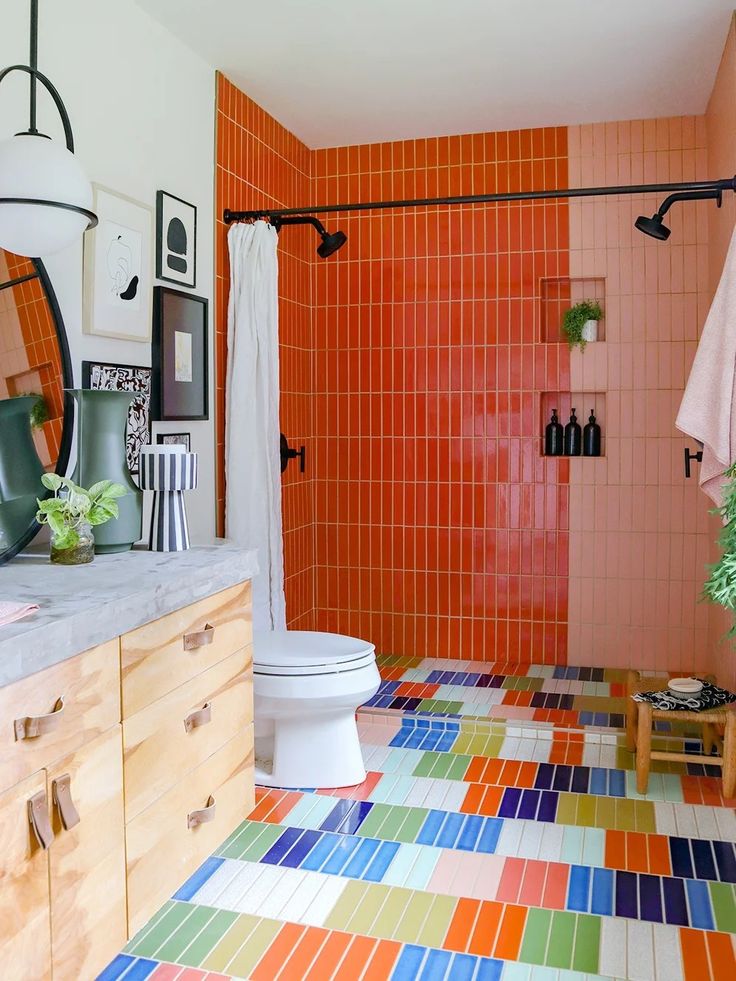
(20, 469)
(102, 418)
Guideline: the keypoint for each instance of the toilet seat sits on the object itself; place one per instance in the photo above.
(294, 653)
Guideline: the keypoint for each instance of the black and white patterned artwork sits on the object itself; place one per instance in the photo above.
(126, 378)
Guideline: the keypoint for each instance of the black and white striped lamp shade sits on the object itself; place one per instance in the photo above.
(168, 474)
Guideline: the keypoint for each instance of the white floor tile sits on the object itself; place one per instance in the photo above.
(612, 958)
(319, 909)
(640, 951)
(667, 953)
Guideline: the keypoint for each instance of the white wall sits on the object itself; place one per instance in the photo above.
(142, 109)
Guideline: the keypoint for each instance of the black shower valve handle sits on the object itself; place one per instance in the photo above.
(697, 456)
(287, 453)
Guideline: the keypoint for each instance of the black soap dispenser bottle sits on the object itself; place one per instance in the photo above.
(553, 436)
(592, 437)
(573, 436)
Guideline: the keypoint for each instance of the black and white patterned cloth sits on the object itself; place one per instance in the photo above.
(709, 697)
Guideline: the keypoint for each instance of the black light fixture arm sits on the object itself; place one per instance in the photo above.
(685, 190)
(698, 195)
(37, 76)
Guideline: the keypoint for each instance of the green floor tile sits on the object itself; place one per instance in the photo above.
(585, 814)
(392, 823)
(391, 912)
(255, 947)
(562, 934)
(256, 849)
(150, 942)
(425, 764)
(724, 908)
(364, 915)
(175, 945)
(208, 938)
(144, 931)
(435, 927)
(566, 809)
(441, 766)
(233, 940)
(376, 816)
(413, 821)
(410, 924)
(346, 905)
(458, 768)
(587, 944)
(536, 931)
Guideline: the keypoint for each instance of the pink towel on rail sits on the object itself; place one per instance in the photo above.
(10, 612)
(708, 408)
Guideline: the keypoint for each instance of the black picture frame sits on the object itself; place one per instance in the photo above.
(177, 439)
(185, 397)
(136, 436)
(164, 256)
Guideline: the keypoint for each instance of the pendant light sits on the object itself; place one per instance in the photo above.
(45, 197)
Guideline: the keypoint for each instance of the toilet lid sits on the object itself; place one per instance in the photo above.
(309, 652)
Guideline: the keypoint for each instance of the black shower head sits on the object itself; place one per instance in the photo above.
(331, 241)
(653, 226)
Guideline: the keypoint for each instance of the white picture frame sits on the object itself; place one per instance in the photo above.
(118, 269)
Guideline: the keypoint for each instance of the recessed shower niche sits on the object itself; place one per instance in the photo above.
(564, 403)
(558, 294)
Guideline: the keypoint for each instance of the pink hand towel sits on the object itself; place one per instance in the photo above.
(10, 612)
(708, 408)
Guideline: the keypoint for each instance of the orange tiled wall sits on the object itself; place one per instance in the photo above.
(638, 528)
(261, 163)
(439, 527)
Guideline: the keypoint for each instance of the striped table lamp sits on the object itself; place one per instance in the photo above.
(168, 470)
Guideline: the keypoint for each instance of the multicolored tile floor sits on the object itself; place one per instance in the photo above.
(498, 835)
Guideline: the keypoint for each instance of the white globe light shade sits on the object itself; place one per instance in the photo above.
(36, 167)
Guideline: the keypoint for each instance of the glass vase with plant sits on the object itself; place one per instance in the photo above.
(720, 587)
(575, 320)
(73, 512)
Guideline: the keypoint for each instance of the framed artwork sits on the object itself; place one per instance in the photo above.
(118, 271)
(175, 439)
(179, 355)
(108, 377)
(176, 240)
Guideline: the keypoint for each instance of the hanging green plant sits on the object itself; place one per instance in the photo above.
(575, 319)
(720, 587)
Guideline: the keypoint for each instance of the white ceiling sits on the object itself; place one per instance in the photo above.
(338, 72)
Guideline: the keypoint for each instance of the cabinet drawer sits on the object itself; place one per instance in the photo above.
(159, 748)
(25, 927)
(87, 860)
(163, 851)
(162, 655)
(89, 685)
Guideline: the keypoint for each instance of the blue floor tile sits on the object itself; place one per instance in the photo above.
(196, 881)
(408, 964)
(116, 967)
(698, 899)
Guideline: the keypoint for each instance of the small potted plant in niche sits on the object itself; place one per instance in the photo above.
(720, 586)
(73, 512)
(580, 323)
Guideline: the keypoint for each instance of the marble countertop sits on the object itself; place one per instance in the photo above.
(81, 606)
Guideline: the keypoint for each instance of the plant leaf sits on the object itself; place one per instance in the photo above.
(52, 481)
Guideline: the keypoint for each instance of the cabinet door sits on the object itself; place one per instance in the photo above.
(87, 860)
(25, 938)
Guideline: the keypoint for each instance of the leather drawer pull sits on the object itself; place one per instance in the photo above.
(61, 794)
(204, 815)
(38, 725)
(38, 815)
(200, 638)
(199, 718)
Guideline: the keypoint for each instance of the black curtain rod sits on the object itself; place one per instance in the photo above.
(728, 184)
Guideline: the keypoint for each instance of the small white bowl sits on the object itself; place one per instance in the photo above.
(685, 686)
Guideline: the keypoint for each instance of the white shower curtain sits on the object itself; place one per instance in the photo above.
(252, 462)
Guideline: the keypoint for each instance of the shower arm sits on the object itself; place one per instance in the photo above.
(686, 190)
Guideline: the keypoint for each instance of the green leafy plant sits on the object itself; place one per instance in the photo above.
(39, 412)
(720, 587)
(575, 319)
(72, 506)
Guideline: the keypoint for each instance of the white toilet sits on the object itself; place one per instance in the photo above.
(307, 686)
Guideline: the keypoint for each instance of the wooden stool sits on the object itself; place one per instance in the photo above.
(640, 717)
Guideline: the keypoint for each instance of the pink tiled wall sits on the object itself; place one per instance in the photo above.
(638, 529)
(720, 125)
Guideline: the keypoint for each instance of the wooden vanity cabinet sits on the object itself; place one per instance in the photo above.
(184, 747)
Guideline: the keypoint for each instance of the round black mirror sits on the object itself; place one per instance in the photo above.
(35, 414)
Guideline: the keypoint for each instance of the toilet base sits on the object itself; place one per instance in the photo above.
(320, 752)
